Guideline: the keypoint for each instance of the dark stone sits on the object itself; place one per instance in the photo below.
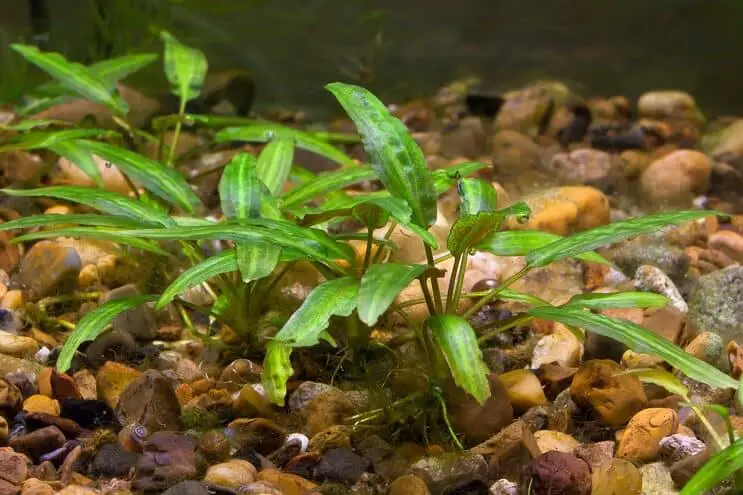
(558, 473)
(89, 413)
(455, 472)
(139, 322)
(37, 420)
(39, 442)
(11, 399)
(22, 382)
(113, 461)
(683, 470)
(188, 488)
(168, 457)
(341, 466)
(150, 401)
(116, 345)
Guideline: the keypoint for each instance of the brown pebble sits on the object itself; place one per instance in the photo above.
(558, 473)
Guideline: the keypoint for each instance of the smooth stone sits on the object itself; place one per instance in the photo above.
(651, 250)
(558, 473)
(478, 422)
(306, 392)
(707, 346)
(150, 400)
(39, 442)
(288, 483)
(140, 321)
(11, 399)
(509, 451)
(13, 467)
(113, 461)
(560, 347)
(617, 477)
(47, 268)
(596, 454)
(112, 379)
(4, 430)
(524, 389)
(652, 279)
(504, 487)
(41, 404)
(86, 384)
(341, 466)
(10, 364)
(641, 438)
(445, 473)
(550, 440)
(90, 414)
(656, 480)
(188, 487)
(676, 178)
(231, 474)
(34, 486)
(17, 345)
(167, 458)
(112, 346)
(408, 484)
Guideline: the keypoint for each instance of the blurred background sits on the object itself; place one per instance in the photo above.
(403, 48)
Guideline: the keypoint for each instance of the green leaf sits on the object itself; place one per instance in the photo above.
(256, 259)
(522, 242)
(718, 468)
(638, 339)
(80, 157)
(514, 295)
(46, 139)
(277, 369)
(93, 324)
(93, 233)
(618, 300)
(28, 124)
(73, 76)
(395, 156)
(264, 132)
(477, 196)
(240, 189)
(224, 262)
(185, 68)
(380, 285)
(162, 181)
(520, 210)
(470, 230)
(326, 182)
(332, 298)
(99, 199)
(609, 234)
(275, 163)
(457, 341)
(446, 178)
(80, 219)
(662, 378)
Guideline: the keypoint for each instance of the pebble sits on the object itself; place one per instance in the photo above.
(478, 422)
(241, 372)
(11, 399)
(549, 440)
(150, 400)
(558, 473)
(41, 404)
(13, 467)
(682, 470)
(306, 392)
(86, 384)
(34, 486)
(341, 466)
(248, 403)
(4, 430)
(524, 389)
(113, 461)
(17, 345)
(679, 446)
(139, 322)
(707, 346)
(651, 250)
(46, 269)
(513, 152)
(168, 457)
(652, 279)
(112, 379)
(445, 472)
(729, 242)
(12, 300)
(560, 347)
(617, 477)
(259, 434)
(288, 483)
(640, 441)
(76, 490)
(39, 442)
(614, 398)
(10, 320)
(676, 178)
(112, 346)
(669, 323)
(504, 487)
(667, 104)
(231, 474)
(188, 487)
(656, 480)
(581, 166)
(509, 451)
(596, 454)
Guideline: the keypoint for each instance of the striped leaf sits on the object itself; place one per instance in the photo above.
(275, 163)
(277, 369)
(45, 139)
(522, 242)
(470, 230)
(93, 233)
(380, 285)
(256, 259)
(446, 178)
(476, 196)
(185, 68)
(92, 219)
(240, 188)
(326, 182)
(81, 158)
(224, 262)
(618, 300)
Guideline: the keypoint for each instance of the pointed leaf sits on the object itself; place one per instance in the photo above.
(240, 189)
(394, 155)
(380, 285)
(514, 295)
(99, 199)
(520, 210)
(46, 139)
(618, 300)
(477, 196)
(93, 219)
(324, 183)
(457, 341)
(522, 242)
(470, 230)
(256, 260)
(661, 378)
(277, 369)
(263, 132)
(93, 324)
(446, 178)
(185, 67)
(638, 339)
(332, 298)
(28, 124)
(608, 234)
(93, 233)
(164, 182)
(718, 468)
(81, 158)
(73, 76)
(224, 262)
(275, 163)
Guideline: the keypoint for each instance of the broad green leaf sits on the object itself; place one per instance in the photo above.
(522, 242)
(718, 468)
(73, 76)
(277, 369)
(299, 175)
(638, 339)
(520, 210)
(371, 215)
(327, 182)
(394, 155)
(275, 163)
(380, 285)
(93, 233)
(470, 230)
(99, 199)
(224, 262)
(662, 378)
(446, 178)
(46, 139)
(256, 259)
(618, 300)
(240, 189)
(609, 234)
(80, 157)
(457, 341)
(261, 132)
(185, 68)
(162, 181)
(92, 219)
(93, 324)
(477, 196)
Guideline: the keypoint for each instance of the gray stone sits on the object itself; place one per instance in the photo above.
(139, 322)
(150, 401)
(444, 473)
(656, 480)
(651, 278)
(305, 392)
(672, 260)
(676, 447)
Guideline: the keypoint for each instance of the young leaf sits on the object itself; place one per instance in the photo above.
(638, 339)
(522, 242)
(93, 219)
(93, 324)
(277, 369)
(256, 259)
(99, 199)
(718, 468)
(662, 378)
(185, 68)
(470, 230)
(618, 300)
(72, 76)
(519, 210)
(275, 163)
(93, 233)
(457, 341)
(395, 156)
(224, 262)
(240, 189)
(380, 286)
(46, 139)
(324, 183)
(477, 196)
(446, 178)
(80, 157)
(591, 239)
(261, 132)
(164, 182)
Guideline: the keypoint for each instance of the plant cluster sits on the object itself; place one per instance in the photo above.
(272, 222)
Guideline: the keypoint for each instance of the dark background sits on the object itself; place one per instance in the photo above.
(294, 47)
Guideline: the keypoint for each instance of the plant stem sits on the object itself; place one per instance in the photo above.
(444, 412)
(387, 236)
(492, 293)
(74, 297)
(460, 282)
(434, 280)
(443, 258)
(520, 320)
(176, 133)
(368, 252)
(427, 297)
(452, 283)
